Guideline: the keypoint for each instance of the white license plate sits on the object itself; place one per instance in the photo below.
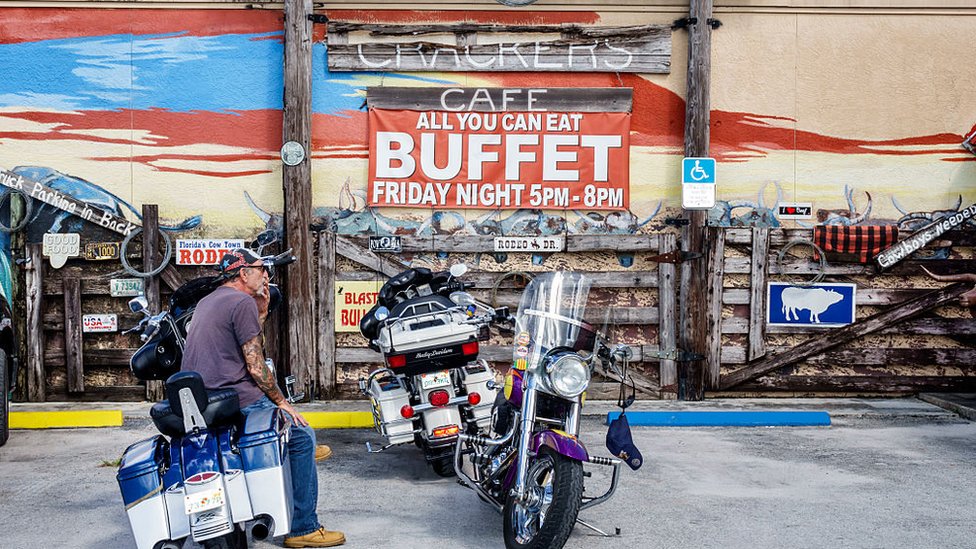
(436, 379)
(203, 501)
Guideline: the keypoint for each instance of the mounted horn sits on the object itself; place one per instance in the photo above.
(962, 277)
(899, 207)
(265, 216)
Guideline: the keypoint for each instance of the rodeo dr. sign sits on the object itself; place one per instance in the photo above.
(507, 148)
(70, 204)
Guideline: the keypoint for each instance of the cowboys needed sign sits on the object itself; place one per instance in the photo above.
(499, 148)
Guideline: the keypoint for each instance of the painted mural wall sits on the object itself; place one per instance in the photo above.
(862, 116)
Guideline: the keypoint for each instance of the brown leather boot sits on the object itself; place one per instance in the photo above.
(322, 452)
(318, 538)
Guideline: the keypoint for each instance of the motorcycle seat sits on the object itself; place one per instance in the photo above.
(220, 407)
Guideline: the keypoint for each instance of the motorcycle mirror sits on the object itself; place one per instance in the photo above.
(138, 304)
(458, 269)
(266, 237)
(462, 298)
(382, 313)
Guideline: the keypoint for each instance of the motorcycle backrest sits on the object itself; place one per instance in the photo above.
(191, 380)
(411, 277)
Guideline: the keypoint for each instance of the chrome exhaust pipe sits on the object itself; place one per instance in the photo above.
(261, 527)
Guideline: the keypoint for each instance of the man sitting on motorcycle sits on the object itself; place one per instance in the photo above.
(225, 346)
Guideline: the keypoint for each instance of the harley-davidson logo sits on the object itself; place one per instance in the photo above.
(434, 353)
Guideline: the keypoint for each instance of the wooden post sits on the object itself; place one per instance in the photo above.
(327, 337)
(35, 329)
(757, 293)
(692, 332)
(667, 316)
(716, 278)
(74, 359)
(150, 260)
(297, 184)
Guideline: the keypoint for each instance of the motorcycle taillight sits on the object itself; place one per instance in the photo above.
(396, 361)
(439, 398)
(469, 348)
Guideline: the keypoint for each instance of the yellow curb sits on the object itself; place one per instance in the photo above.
(339, 420)
(74, 418)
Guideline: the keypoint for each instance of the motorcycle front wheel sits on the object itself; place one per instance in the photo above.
(545, 519)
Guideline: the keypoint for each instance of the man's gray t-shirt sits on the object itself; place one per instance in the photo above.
(223, 322)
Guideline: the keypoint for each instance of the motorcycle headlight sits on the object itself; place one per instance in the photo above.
(568, 375)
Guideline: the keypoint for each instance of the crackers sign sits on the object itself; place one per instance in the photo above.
(499, 159)
(352, 300)
(204, 251)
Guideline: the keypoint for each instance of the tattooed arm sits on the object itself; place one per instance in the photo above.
(265, 379)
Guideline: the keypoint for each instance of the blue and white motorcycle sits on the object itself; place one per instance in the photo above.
(211, 475)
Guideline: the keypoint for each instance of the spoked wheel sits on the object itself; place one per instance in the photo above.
(234, 540)
(545, 519)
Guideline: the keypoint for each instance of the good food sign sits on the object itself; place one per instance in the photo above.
(500, 148)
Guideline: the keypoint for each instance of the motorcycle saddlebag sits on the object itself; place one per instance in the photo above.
(267, 470)
(155, 361)
(140, 479)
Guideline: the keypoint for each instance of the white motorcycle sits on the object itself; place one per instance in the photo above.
(433, 386)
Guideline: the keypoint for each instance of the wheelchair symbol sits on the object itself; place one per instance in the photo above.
(698, 173)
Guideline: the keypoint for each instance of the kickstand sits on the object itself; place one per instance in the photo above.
(369, 448)
(597, 530)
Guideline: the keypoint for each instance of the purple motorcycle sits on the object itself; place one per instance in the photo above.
(532, 469)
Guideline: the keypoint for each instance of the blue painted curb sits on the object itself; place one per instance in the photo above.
(724, 419)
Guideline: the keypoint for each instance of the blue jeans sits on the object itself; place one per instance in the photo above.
(304, 477)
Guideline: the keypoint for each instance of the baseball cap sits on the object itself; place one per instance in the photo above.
(231, 263)
(621, 443)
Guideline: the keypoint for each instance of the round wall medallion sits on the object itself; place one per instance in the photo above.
(292, 153)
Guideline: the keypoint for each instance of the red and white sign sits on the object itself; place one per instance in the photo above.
(499, 160)
(352, 300)
(99, 323)
(204, 251)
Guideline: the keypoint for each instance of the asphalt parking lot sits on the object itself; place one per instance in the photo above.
(886, 480)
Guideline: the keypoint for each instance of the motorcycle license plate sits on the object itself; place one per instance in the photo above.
(203, 501)
(436, 379)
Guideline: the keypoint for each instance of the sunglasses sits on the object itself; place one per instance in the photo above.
(267, 268)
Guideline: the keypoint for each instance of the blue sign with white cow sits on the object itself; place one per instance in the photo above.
(819, 305)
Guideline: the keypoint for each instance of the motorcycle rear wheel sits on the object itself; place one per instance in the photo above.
(234, 540)
(556, 483)
(444, 466)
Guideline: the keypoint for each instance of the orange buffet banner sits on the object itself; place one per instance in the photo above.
(505, 160)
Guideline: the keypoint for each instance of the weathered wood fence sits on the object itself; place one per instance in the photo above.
(908, 336)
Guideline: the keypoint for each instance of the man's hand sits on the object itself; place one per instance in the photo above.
(263, 299)
(295, 416)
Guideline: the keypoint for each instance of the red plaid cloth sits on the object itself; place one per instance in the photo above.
(858, 244)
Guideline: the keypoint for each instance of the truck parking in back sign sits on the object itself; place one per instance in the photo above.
(819, 305)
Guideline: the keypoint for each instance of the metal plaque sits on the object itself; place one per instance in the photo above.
(126, 287)
(97, 251)
(99, 323)
(385, 244)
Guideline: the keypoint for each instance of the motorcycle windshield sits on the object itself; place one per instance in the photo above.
(550, 315)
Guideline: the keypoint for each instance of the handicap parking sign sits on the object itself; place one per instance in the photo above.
(698, 183)
(698, 170)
